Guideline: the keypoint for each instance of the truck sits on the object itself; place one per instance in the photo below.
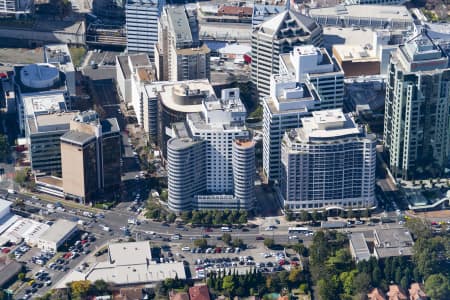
(105, 228)
(133, 221)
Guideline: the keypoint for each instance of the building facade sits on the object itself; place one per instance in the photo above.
(179, 54)
(328, 163)
(16, 8)
(416, 122)
(90, 154)
(275, 36)
(289, 101)
(314, 65)
(216, 145)
(141, 18)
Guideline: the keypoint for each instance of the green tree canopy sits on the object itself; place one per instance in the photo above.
(437, 287)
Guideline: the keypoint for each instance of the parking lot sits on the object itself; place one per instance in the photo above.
(221, 258)
(44, 268)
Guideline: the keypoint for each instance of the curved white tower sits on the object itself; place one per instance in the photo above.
(244, 170)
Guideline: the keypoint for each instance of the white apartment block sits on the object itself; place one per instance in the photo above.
(217, 146)
(133, 73)
(313, 64)
(142, 25)
(289, 101)
(328, 163)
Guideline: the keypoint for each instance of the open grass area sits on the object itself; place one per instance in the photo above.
(77, 54)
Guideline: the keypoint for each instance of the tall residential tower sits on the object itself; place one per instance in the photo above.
(328, 163)
(211, 158)
(416, 122)
(179, 54)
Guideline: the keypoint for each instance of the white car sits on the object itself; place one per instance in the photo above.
(293, 237)
(185, 249)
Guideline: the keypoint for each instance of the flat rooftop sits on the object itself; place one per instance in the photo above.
(346, 35)
(126, 254)
(59, 54)
(180, 24)
(355, 53)
(136, 274)
(359, 246)
(58, 230)
(124, 66)
(51, 122)
(395, 12)
(203, 49)
(191, 86)
(26, 229)
(77, 137)
(327, 124)
(44, 102)
(392, 238)
(4, 204)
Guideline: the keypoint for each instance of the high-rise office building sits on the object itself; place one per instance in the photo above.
(216, 145)
(90, 154)
(416, 122)
(329, 162)
(141, 18)
(179, 54)
(315, 65)
(275, 36)
(41, 99)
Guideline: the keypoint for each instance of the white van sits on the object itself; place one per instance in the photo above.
(225, 229)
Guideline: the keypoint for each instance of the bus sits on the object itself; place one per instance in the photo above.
(225, 229)
(302, 230)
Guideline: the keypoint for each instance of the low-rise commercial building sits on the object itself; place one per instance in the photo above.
(59, 56)
(56, 235)
(392, 242)
(358, 247)
(129, 264)
(373, 16)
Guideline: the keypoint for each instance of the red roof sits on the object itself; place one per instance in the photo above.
(199, 292)
(235, 11)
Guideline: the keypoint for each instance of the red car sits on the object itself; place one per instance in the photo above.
(294, 263)
(6, 250)
(208, 229)
(281, 262)
(83, 242)
(218, 250)
(67, 255)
